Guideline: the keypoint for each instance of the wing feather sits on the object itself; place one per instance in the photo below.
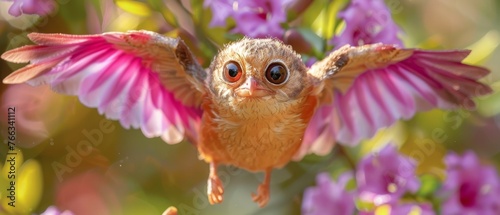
(370, 87)
(140, 78)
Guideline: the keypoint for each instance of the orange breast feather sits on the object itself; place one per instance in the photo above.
(254, 143)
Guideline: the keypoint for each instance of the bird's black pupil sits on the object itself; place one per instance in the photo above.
(232, 70)
(276, 72)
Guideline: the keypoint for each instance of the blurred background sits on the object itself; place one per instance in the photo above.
(127, 173)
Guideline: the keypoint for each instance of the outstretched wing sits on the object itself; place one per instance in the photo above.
(369, 87)
(141, 78)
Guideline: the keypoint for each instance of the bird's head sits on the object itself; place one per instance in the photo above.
(263, 70)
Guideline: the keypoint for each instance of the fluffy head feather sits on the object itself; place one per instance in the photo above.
(254, 56)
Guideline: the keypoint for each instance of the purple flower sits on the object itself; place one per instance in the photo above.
(397, 209)
(386, 176)
(328, 197)
(367, 22)
(309, 62)
(257, 19)
(52, 210)
(470, 187)
(40, 7)
(221, 10)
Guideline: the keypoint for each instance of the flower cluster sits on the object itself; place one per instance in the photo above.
(386, 184)
(38, 7)
(329, 196)
(470, 188)
(262, 18)
(381, 178)
(53, 210)
(385, 176)
(367, 22)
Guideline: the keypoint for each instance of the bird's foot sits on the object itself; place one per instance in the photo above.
(215, 189)
(262, 196)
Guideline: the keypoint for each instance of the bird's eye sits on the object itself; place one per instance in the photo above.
(232, 71)
(276, 73)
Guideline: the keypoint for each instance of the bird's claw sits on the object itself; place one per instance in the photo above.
(215, 190)
(262, 196)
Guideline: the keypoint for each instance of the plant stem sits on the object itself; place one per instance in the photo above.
(343, 152)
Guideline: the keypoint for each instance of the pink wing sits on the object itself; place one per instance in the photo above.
(370, 87)
(140, 78)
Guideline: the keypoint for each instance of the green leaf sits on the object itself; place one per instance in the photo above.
(314, 40)
(490, 105)
(364, 206)
(429, 185)
(322, 17)
(134, 7)
(395, 134)
(483, 48)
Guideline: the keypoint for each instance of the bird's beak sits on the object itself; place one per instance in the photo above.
(252, 88)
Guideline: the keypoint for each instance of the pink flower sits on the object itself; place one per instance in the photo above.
(405, 208)
(386, 176)
(470, 188)
(39, 7)
(328, 197)
(90, 192)
(367, 22)
(221, 10)
(257, 19)
(52, 210)
(34, 112)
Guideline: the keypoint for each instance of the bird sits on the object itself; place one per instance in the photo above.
(257, 106)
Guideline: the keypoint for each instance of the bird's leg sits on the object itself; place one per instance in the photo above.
(262, 196)
(214, 185)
